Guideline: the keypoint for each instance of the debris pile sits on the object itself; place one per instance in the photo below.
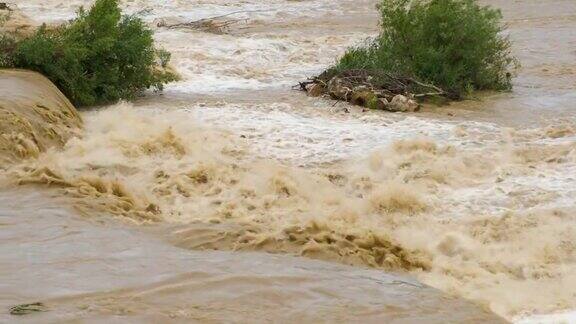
(372, 89)
(216, 25)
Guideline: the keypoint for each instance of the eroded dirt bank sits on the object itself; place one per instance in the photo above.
(34, 116)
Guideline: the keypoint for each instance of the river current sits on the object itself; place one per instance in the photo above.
(476, 199)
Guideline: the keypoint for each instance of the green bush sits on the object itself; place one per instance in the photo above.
(454, 44)
(100, 57)
(7, 46)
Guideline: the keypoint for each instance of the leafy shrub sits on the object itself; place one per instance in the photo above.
(7, 45)
(99, 57)
(454, 44)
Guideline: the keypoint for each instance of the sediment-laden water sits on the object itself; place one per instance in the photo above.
(476, 199)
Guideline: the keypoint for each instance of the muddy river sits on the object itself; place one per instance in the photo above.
(231, 195)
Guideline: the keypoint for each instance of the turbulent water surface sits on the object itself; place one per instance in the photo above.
(476, 199)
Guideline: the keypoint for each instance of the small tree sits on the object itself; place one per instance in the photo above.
(99, 57)
(454, 44)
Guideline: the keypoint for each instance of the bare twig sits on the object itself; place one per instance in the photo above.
(439, 91)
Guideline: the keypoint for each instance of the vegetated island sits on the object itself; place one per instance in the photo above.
(427, 50)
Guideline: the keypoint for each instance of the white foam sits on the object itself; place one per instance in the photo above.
(53, 10)
(212, 63)
(285, 136)
(559, 318)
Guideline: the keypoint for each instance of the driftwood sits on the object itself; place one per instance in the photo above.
(217, 24)
(386, 83)
(371, 89)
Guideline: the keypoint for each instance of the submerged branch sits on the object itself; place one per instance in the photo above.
(216, 24)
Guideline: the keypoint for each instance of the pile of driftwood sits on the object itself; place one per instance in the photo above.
(374, 90)
(212, 25)
(216, 25)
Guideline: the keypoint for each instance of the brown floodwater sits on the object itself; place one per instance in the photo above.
(167, 208)
(544, 42)
(101, 271)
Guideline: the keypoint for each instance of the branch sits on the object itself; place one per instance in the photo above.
(211, 23)
(440, 91)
